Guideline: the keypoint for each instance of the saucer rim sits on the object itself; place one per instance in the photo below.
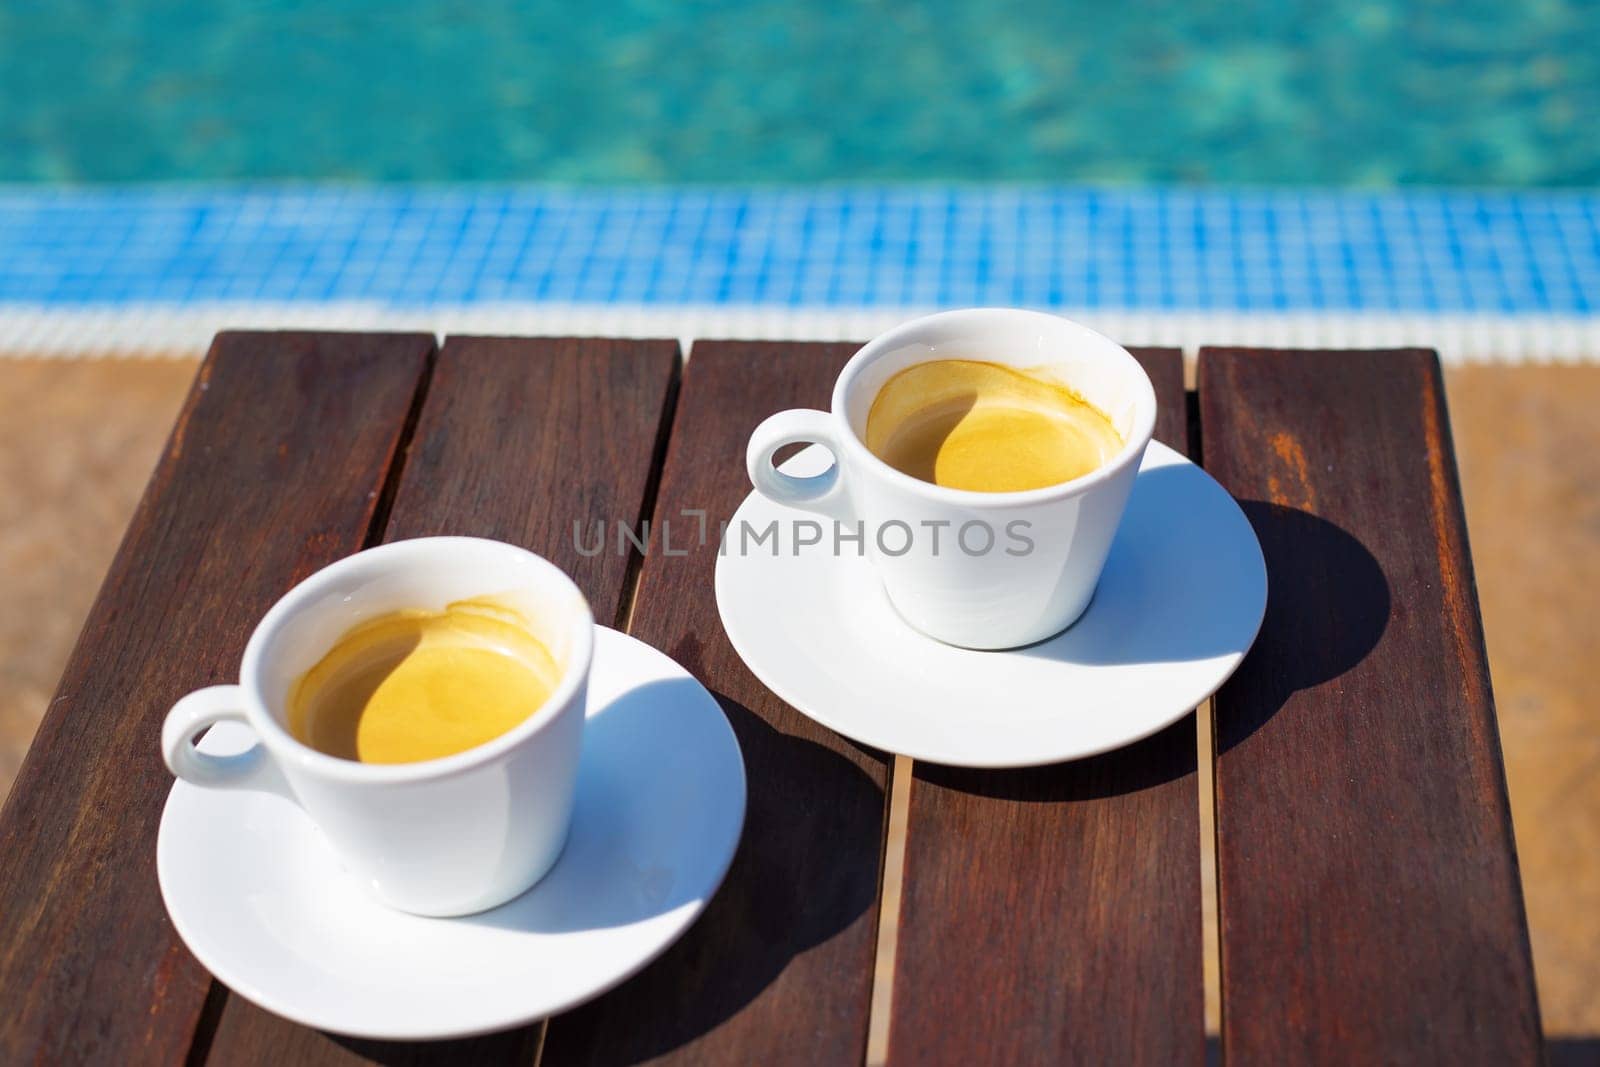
(691, 912)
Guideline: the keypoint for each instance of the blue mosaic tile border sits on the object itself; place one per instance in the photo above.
(847, 246)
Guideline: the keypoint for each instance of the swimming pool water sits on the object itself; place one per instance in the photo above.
(1423, 251)
(617, 91)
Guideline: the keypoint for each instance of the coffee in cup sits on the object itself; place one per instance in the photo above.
(986, 427)
(418, 685)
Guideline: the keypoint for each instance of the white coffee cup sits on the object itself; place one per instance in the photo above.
(446, 836)
(1047, 546)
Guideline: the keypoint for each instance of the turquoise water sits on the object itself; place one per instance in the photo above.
(1356, 94)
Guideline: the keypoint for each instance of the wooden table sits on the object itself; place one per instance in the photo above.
(1370, 904)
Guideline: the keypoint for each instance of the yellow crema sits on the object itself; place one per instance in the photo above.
(418, 685)
(964, 424)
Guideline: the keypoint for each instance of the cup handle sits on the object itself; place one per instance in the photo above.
(823, 493)
(253, 769)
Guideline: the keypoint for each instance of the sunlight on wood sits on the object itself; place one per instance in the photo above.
(894, 861)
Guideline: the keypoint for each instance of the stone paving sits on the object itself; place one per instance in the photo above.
(79, 438)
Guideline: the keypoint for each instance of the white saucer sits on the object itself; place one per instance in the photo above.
(1178, 606)
(259, 898)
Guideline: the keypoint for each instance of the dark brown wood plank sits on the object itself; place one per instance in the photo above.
(521, 438)
(274, 469)
(1052, 915)
(517, 440)
(1371, 907)
(248, 1035)
(779, 968)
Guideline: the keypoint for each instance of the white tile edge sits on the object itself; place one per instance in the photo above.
(150, 330)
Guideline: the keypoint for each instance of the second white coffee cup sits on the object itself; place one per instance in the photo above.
(445, 836)
(980, 570)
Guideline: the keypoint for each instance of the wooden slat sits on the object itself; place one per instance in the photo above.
(518, 439)
(778, 969)
(274, 469)
(521, 438)
(249, 1035)
(1052, 915)
(1371, 908)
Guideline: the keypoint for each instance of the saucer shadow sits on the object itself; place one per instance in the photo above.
(508, 1046)
(1183, 580)
(1329, 608)
(805, 873)
(1153, 761)
(638, 753)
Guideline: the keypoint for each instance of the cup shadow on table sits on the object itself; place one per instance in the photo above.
(806, 870)
(509, 1046)
(1328, 605)
(1323, 586)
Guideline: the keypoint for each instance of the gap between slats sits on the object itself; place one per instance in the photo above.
(647, 506)
(1211, 935)
(892, 884)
